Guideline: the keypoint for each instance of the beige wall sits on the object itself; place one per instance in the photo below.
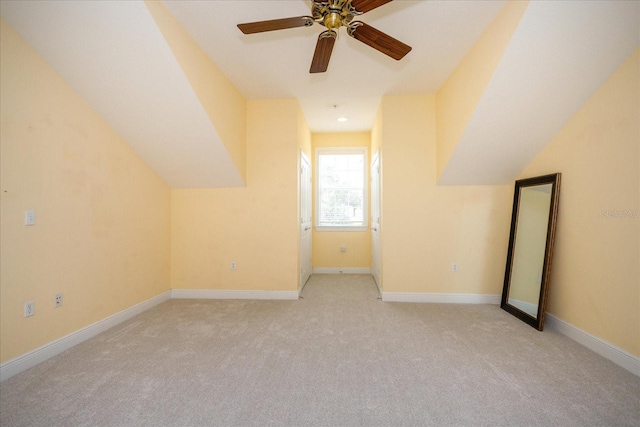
(458, 97)
(256, 226)
(376, 132)
(225, 106)
(327, 244)
(102, 215)
(426, 227)
(595, 282)
(304, 135)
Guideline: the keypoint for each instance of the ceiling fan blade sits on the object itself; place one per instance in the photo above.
(322, 55)
(363, 6)
(378, 40)
(276, 24)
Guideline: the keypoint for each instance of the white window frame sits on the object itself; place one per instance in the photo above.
(341, 150)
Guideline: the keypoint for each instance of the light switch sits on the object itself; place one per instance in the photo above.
(30, 217)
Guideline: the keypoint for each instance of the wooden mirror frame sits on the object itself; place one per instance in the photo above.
(553, 179)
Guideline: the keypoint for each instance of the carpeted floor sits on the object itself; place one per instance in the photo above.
(337, 357)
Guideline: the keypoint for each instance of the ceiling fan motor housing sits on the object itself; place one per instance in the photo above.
(332, 20)
(333, 14)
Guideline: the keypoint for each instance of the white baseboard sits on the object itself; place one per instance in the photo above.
(39, 355)
(440, 298)
(342, 270)
(595, 344)
(47, 351)
(233, 294)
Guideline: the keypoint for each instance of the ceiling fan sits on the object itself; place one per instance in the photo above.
(334, 14)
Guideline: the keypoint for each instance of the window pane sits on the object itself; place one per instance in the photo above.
(341, 186)
(339, 205)
(355, 179)
(340, 161)
(355, 162)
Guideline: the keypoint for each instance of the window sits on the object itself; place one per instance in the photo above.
(341, 195)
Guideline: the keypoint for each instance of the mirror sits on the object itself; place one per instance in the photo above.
(533, 226)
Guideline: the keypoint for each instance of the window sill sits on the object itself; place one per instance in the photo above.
(341, 228)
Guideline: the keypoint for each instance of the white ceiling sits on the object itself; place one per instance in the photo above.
(276, 64)
(114, 56)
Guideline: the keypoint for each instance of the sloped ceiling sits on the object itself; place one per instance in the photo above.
(560, 54)
(113, 54)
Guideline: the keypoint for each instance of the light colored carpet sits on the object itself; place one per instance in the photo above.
(338, 357)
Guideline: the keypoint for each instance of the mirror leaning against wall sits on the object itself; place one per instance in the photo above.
(533, 227)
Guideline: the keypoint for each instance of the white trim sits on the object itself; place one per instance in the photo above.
(341, 270)
(47, 351)
(440, 298)
(357, 228)
(595, 344)
(233, 294)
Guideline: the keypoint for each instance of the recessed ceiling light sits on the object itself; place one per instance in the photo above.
(342, 119)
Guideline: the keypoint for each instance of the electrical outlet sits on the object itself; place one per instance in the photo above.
(233, 265)
(58, 300)
(30, 217)
(454, 267)
(29, 308)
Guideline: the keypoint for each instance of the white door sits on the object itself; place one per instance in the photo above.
(305, 219)
(375, 221)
